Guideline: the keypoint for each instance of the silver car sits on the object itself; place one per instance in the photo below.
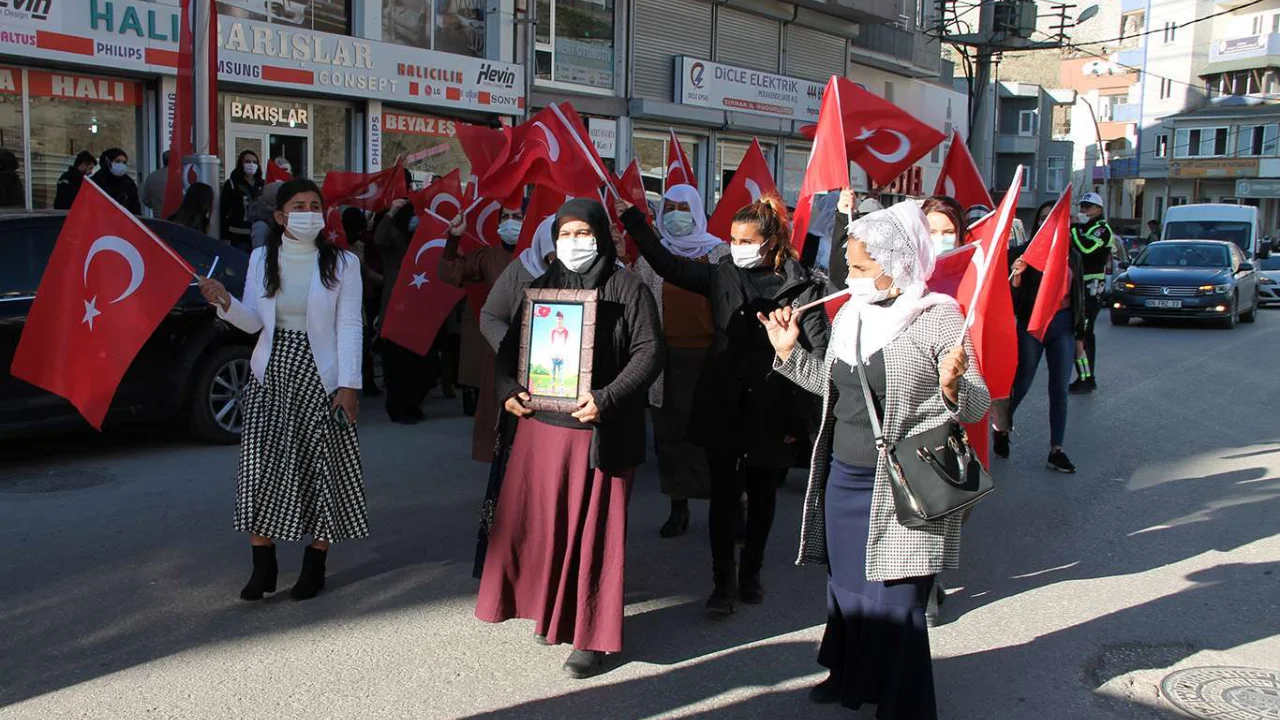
(1269, 281)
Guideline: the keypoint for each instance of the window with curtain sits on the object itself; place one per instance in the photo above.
(452, 26)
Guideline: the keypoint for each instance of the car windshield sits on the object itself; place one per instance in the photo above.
(1184, 255)
(1239, 233)
(1271, 263)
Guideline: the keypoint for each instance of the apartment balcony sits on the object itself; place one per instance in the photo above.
(1127, 113)
(1243, 53)
(1119, 168)
(1012, 144)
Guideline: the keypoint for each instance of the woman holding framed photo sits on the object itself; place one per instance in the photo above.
(556, 550)
(746, 417)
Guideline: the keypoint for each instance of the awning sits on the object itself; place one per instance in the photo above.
(1245, 63)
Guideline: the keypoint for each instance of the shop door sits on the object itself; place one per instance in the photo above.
(269, 146)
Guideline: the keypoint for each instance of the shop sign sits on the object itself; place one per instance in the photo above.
(411, 124)
(84, 87)
(1255, 188)
(604, 135)
(724, 87)
(10, 81)
(271, 113)
(1223, 168)
(374, 126)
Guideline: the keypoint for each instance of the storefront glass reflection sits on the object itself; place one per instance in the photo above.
(331, 16)
(13, 194)
(575, 42)
(428, 143)
(651, 150)
(452, 26)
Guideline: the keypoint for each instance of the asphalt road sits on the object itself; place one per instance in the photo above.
(118, 589)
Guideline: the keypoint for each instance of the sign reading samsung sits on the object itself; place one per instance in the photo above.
(724, 87)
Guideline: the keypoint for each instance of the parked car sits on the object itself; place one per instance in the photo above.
(1192, 279)
(1217, 221)
(1269, 281)
(193, 367)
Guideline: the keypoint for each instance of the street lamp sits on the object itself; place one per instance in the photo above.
(1102, 157)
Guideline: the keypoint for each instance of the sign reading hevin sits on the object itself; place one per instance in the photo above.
(724, 87)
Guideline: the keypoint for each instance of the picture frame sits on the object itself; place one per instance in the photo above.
(557, 347)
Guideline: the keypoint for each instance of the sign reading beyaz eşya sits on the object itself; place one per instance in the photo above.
(724, 87)
(143, 36)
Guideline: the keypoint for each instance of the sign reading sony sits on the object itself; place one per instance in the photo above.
(724, 87)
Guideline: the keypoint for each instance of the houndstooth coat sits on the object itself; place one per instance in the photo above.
(913, 404)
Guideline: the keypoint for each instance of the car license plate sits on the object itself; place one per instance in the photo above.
(1164, 303)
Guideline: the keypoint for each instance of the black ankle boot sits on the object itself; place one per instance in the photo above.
(826, 692)
(678, 522)
(311, 579)
(584, 663)
(721, 600)
(750, 591)
(263, 579)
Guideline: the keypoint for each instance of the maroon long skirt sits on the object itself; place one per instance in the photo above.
(558, 544)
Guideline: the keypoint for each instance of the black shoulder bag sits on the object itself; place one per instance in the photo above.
(934, 473)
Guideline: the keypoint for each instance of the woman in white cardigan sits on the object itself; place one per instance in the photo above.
(299, 473)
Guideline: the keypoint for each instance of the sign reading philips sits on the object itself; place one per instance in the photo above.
(724, 87)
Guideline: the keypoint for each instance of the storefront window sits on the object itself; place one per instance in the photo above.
(428, 144)
(71, 113)
(575, 42)
(331, 16)
(794, 162)
(651, 151)
(452, 26)
(13, 194)
(310, 138)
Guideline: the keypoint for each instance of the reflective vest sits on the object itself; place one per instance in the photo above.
(1095, 237)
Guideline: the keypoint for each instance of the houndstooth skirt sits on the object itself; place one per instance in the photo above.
(299, 471)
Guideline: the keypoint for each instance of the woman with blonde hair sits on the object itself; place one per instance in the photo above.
(908, 347)
(747, 418)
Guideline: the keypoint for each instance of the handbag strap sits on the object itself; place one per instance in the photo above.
(866, 387)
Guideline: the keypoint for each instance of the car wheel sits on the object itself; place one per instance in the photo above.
(1233, 317)
(216, 410)
(1253, 311)
(1118, 318)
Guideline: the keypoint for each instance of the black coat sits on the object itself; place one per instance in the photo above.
(1024, 295)
(740, 405)
(237, 192)
(123, 189)
(68, 187)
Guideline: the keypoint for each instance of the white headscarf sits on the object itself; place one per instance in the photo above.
(534, 257)
(898, 239)
(697, 243)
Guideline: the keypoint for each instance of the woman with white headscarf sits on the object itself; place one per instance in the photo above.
(499, 311)
(689, 331)
(915, 353)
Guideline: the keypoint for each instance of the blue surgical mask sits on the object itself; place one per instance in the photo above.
(118, 168)
(678, 222)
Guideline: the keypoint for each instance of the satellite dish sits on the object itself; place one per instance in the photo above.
(1088, 14)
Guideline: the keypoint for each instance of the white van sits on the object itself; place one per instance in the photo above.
(1216, 221)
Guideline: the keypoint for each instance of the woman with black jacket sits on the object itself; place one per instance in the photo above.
(1065, 333)
(557, 548)
(113, 177)
(242, 188)
(747, 417)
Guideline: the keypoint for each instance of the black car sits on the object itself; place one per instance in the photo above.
(1189, 279)
(194, 366)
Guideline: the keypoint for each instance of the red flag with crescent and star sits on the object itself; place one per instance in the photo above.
(544, 203)
(367, 191)
(1050, 253)
(484, 147)
(442, 197)
(679, 169)
(108, 285)
(420, 300)
(551, 148)
(828, 166)
(751, 181)
(960, 178)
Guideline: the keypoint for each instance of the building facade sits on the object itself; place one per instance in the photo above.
(328, 84)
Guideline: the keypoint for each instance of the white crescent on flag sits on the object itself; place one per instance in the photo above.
(123, 248)
(949, 186)
(904, 146)
(369, 192)
(483, 217)
(435, 202)
(437, 243)
(675, 167)
(753, 187)
(553, 145)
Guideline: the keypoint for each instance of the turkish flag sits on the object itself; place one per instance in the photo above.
(545, 203)
(631, 187)
(551, 148)
(442, 197)
(1050, 253)
(960, 178)
(108, 285)
(277, 173)
(751, 181)
(420, 300)
(483, 147)
(333, 228)
(828, 167)
(679, 169)
(367, 191)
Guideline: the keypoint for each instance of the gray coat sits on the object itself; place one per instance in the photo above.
(503, 304)
(913, 404)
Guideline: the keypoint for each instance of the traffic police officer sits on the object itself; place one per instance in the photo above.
(1095, 241)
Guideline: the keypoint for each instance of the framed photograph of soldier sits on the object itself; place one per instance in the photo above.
(557, 340)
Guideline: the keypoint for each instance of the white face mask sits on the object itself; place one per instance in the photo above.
(251, 169)
(943, 242)
(304, 226)
(864, 290)
(746, 256)
(118, 168)
(678, 222)
(1083, 218)
(509, 231)
(577, 254)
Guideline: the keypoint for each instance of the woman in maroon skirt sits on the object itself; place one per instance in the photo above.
(557, 548)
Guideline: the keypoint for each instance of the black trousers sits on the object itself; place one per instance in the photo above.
(729, 479)
(406, 376)
(1092, 307)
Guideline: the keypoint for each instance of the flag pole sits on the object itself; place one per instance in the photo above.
(186, 266)
(822, 301)
(1002, 229)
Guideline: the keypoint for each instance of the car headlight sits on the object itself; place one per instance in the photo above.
(1215, 289)
(1126, 285)
(1266, 280)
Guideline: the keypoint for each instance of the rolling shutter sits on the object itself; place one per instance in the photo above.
(814, 55)
(747, 40)
(665, 29)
